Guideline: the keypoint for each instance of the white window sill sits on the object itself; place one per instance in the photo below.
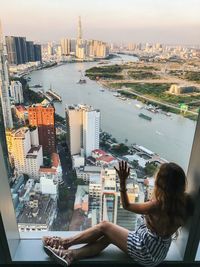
(30, 249)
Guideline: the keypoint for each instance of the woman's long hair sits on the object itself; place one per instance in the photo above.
(169, 191)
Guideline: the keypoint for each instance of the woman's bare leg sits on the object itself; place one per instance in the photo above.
(112, 234)
(90, 250)
(117, 235)
(87, 236)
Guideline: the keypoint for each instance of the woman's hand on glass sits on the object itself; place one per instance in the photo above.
(123, 171)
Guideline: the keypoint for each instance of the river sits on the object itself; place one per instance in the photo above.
(170, 137)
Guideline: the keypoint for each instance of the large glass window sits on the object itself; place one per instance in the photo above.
(82, 102)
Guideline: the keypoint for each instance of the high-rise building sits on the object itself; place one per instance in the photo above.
(79, 29)
(108, 201)
(98, 49)
(3, 143)
(37, 52)
(126, 218)
(50, 49)
(65, 46)
(42, 116)
(81, 45)
(81, 49)
(74, 125)
(30, 51)
(59, 51)
(131, 46)
(16, 92)
(91, 129)
(11, 50)
(68, 46)
(21, 51)
(83, 123)
(4, 85)
(26, 151)
(73, 46)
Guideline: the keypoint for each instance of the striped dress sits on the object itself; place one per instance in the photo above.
(146, 247)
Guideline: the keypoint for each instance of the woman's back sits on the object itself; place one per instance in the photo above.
(166, 222)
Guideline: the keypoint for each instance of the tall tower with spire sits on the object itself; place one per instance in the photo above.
(79, 28)
(4, 84)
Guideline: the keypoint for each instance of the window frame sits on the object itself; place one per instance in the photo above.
(187, 242)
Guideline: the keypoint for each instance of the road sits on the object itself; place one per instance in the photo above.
(155, 101)
(166, 79)
(65, 162)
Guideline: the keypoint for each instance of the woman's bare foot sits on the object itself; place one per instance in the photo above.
(55, 242)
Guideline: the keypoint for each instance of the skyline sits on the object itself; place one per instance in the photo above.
(136, 21)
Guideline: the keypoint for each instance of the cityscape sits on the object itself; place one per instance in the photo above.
(61, 153)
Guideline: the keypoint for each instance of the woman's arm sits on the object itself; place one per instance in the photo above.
(140, 208)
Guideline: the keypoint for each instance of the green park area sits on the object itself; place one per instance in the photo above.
(105, 72)
(193, 76)
(156, 91)
(141, 75)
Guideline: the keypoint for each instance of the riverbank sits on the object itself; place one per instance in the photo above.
(32, 97)
(146, 84)
(163, 134)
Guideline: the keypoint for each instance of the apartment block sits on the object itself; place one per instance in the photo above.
(42, 116)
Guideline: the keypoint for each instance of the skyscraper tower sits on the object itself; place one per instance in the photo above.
(4, 85)
(83, 124)
(79, 28)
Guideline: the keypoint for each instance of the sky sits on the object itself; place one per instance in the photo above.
(121, 21)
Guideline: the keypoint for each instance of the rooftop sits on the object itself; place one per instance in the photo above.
(78, 107)
(43, 104)
(93, 169)
(106, 158)
(55, 160)
(81, 195)
(47, 170)
(34, 149)
(33, 152)
(99, 151)
(45, 205)
(144, 149)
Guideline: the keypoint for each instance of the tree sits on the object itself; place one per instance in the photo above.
(150, 168)
(63, 197)
(62, 192)
(120, 149)
(79, 181)
(135, 164)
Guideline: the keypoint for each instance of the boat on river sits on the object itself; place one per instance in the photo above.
(82, 79)
(142, 115)
(117, 94)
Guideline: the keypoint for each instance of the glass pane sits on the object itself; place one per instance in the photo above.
(198, 254)
(80, 105)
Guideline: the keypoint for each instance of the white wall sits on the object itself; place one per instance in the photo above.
(34, 137)
(47, 186)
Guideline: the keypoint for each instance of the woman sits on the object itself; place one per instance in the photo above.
(148, 245)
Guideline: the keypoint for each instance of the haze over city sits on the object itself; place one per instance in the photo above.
(174, 22)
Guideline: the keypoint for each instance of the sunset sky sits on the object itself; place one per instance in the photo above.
(165, 21)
